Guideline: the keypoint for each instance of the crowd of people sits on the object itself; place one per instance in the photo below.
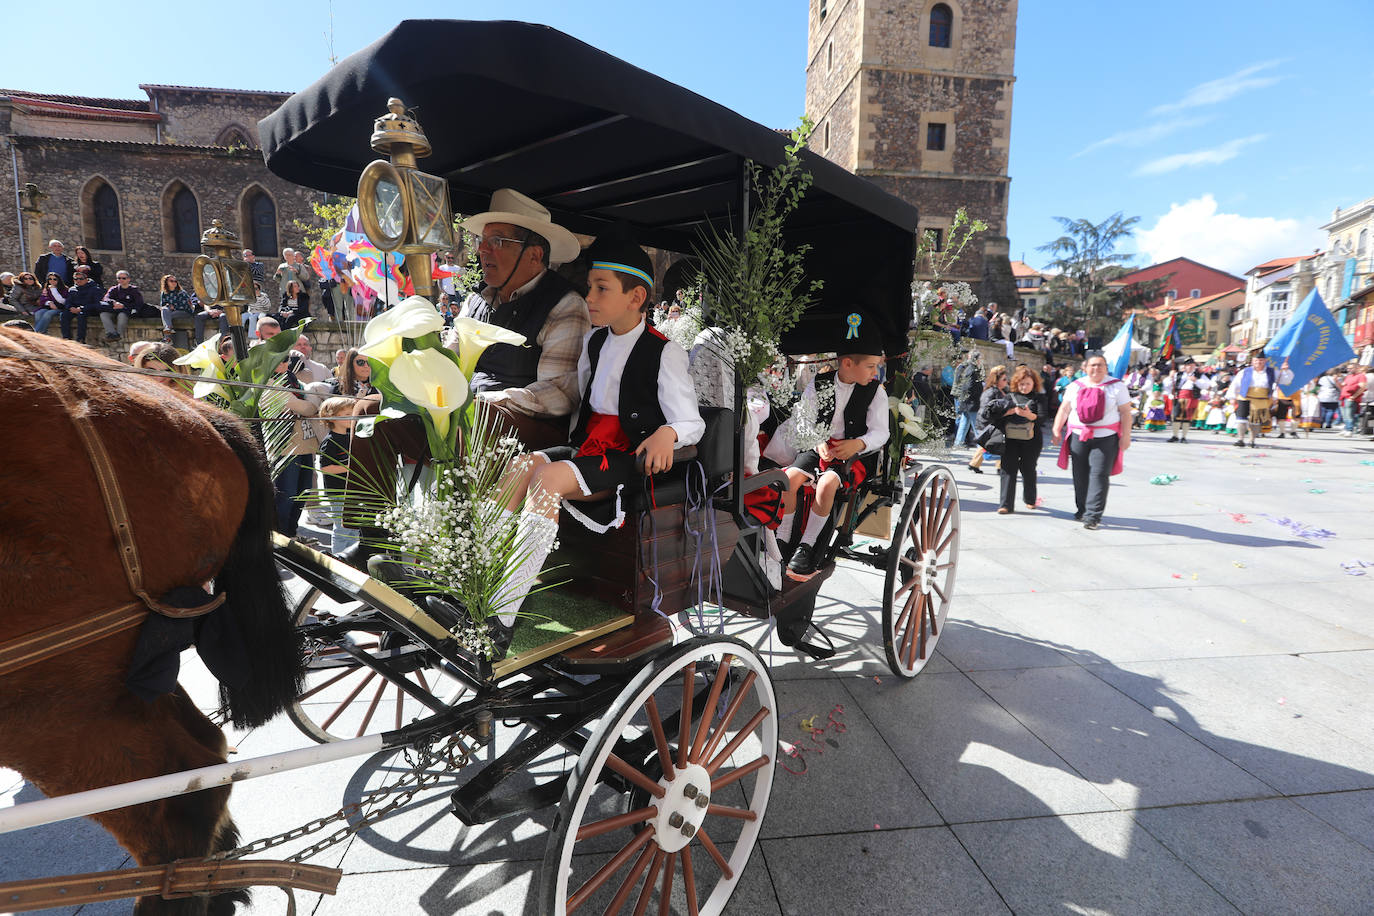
(1012, 330)
(71, 290)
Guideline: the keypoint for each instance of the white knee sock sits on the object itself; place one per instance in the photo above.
(785, 526)
(814, 523)
(534, 537)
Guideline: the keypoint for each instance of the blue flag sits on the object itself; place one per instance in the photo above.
(1311, 341)
(1119, 352)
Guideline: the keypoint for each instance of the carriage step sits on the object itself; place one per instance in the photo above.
(819, 653)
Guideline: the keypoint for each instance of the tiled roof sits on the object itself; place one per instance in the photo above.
(93, 101)
(24, 140)
(1278, 264)
(148, 86)
(1022, 269)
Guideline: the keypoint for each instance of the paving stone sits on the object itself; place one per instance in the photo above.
(1133, 757)
(880, 871)
(1268, 856)
(1085, 863)
(970, 757)
(1352, 813)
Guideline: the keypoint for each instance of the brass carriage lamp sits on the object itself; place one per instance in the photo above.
(402, 208)
(223, 281)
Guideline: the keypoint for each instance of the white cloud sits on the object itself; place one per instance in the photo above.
(1215, 91)
(1228, 241)
(1214, 156)
(1143, 136)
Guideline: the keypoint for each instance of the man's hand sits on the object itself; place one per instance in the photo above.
(658, 450)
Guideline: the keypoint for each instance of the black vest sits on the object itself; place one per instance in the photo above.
(507, 366)
(640, 413)
(855, 412)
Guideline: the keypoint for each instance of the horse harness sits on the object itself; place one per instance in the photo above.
(64, 637)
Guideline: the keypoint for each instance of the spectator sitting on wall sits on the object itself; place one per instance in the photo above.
(295, 305)
(261, 306)
(83, 301)
(55, 262)
(121, 301)
(255, 266)
(83, 259)
(52, 302)
(172, 299)
(25, 294)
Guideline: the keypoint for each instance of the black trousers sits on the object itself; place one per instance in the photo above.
(1092, 462)
(1019, 457)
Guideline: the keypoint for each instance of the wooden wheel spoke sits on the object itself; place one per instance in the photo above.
(665, 755)
(617, 861)
(905, 587)
(940, 547)
(665, 893)
(628, 885)
(738, 700)
(906, 612)
(635, 776)
(939, 591)
(333, 680)
(606, 825)
(738, 773)
(642, 903)
(349, 699)
(739, 814)
(372, 707)
(904, 559)
(724, 866)
(704, 728)
(400, 703)
(719, 760)
(917, 623)
(689, 880)
(934, 621)
(685, 714)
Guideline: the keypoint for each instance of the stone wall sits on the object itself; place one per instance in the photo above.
(834, 50)
(143, 177)
(199, 117)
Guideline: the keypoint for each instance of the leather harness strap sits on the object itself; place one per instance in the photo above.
(111, 494)
(184, 878)
(39, 645)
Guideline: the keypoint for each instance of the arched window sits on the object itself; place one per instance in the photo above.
(1362, 242)
(260, 222)
(185, 221)
(233, 135)
(941, 25)
(105, 210)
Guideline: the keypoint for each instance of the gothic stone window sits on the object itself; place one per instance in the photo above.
(935, 137)
(941, 25)
(185, 221)
(105, 209)
(261, 220)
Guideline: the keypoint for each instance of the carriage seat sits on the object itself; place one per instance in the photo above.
(715, 452)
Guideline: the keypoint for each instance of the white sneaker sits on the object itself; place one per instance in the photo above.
(1346, 434)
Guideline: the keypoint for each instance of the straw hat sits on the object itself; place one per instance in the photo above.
(511, 207)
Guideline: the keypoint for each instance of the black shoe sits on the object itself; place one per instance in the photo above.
(975, 469)
(1078, 516)
(804, 560)
(1173, 438)
(1240, 444)
(1091, 524)
(368, 546)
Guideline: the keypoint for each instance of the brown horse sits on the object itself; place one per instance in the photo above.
(199, 501)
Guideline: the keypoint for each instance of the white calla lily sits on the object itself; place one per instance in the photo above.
(431, 380)
(914, 429)
(414, 317)
(473, 337)
(205, 358)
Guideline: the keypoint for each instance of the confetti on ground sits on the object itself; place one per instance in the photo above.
(1039, 501)
(1262, 455)
(1163, 480)
(1310, 461)
(808, 724)
(1307, 480)
(1307, 532)
(877, 680)
(1368, 463)
(1178, 575)
(1356, 567)
(1239, 517)
(1194, 577)
(1237, 564)
(1044, 556)
(1316, 490)
(1283, 701)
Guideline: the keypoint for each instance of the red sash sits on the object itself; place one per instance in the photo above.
(604, 434)
(858, 472)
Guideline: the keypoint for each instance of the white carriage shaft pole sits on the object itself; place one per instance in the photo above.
(94, 801)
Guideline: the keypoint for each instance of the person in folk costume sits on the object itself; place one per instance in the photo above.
(637, 399)
(1252, 393)
(1093, 425)
(853, 404)
(1185, 390)
(1152, 404)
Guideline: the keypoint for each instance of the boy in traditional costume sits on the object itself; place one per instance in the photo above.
(852, 404)
(637, 399)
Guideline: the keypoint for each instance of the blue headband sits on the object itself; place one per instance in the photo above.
(623, 268)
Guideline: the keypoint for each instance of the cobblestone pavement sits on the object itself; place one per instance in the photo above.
(1166, 715)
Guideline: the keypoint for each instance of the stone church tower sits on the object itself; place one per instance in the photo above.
(915, 95)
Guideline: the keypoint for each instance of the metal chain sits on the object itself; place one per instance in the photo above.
(452, 755)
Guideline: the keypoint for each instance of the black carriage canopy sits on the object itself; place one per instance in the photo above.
(595, 139)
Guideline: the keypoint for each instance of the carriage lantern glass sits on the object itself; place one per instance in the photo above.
(401, 208)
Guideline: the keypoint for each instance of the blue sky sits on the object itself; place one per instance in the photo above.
(1231, 129)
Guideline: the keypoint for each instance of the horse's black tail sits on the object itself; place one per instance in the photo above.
(255, 599)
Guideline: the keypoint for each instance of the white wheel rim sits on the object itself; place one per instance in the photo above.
(934, 570)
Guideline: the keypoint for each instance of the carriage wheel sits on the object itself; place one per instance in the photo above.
(685, 849)
(344, 698)
(920, 572)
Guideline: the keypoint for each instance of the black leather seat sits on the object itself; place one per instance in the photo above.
(715, 454)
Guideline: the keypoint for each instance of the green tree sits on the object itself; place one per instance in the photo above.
(1085, 262)
(329, 219)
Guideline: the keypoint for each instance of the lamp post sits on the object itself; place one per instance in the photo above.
(223, 281)
(401, 208)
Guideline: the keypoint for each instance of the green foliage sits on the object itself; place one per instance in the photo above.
(937, 264)
(757, 286)
(1086, 260)
(329, 219)
(1139, 295)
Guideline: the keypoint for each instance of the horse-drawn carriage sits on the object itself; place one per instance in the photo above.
(673, 725)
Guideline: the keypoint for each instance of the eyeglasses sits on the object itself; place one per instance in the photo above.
(497, 242)
(360, 361)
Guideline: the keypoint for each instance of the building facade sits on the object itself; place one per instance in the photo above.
(916, 96)
(137, 180)
(1272, 291)
(1347, 268)
(1030, 283)
(1188, 279)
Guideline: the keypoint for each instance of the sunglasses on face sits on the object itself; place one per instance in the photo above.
(360, 361)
